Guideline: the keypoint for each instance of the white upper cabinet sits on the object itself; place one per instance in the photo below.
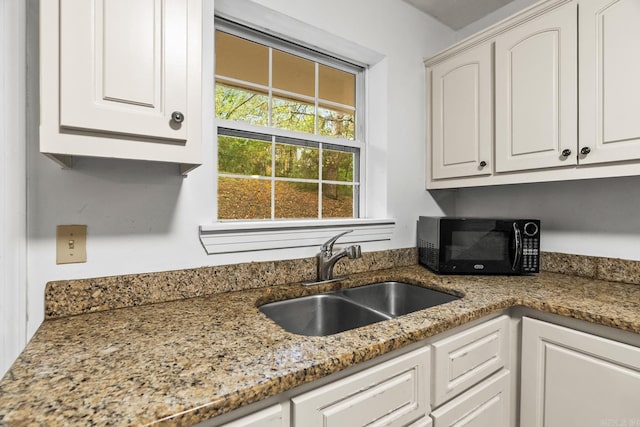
(565, 101)
(461, 105)
(122, 79)
(609, 83)
(536, 92)
(123, 66)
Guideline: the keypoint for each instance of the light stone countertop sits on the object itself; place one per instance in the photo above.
(182, 362)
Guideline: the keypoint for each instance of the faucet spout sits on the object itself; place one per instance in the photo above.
(327, 259)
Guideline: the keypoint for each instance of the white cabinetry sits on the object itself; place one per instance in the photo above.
(121, 79)
(536, 92)
(270, 417)
(554, 63)
(486, 405)
(394, 393)
(469, 357)
(609, 83)
(572, 378)
(461, 103)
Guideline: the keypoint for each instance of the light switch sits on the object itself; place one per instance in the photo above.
(71, 244)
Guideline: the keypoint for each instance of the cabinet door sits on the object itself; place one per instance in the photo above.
(461, 112)
(123, 66)
(394, 393)
(486, 405)
(536, 92)
(609, 83)
(571, 378)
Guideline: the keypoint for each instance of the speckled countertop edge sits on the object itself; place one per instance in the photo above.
(182, 362)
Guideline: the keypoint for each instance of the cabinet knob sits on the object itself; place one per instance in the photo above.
(177, 117)
(483, 164)
(585, 150)
(566, 152)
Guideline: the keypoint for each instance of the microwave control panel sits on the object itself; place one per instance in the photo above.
(531, 248)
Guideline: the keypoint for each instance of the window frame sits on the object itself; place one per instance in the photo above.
(376, 229)
(358, 143)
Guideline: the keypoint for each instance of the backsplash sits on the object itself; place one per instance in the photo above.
(71, 297)
(610, 269)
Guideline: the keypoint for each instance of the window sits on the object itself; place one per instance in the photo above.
(290, 129)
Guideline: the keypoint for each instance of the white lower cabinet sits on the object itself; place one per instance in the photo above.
(425, 422)
(394, 393)
(571, 378)
(398, 392)
(466, 358)
(567, 378)
(273, 416)
(486, 405)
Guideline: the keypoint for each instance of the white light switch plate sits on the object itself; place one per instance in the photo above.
(71, 244)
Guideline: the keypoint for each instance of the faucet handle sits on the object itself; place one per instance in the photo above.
(327, 247)
(354, 252)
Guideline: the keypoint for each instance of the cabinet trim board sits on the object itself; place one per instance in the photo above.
(570, 173)
(491, 32)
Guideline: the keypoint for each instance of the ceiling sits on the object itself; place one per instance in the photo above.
(457, 14)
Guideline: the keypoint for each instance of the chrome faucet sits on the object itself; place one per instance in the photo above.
(327, 259)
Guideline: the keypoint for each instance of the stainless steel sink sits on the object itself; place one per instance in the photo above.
(338, 311)
(319, 315)
(397, 298)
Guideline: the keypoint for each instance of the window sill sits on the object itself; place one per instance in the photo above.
(234, 237)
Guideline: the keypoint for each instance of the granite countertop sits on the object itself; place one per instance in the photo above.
(181, 362)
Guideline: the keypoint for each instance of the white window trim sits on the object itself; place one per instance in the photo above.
(374, 208)
(234, 237)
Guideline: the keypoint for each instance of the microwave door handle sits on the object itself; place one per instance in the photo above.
(518, 241)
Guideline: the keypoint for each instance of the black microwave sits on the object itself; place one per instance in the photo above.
(479, 245)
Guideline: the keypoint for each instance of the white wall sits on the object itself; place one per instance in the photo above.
(143, 217)
(599, 217)
(13, 204)
(494, 17)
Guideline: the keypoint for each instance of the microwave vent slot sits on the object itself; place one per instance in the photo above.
(427, 253)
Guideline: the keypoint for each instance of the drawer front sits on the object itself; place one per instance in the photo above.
(270, 417)
(394, 393)
(465, 359)
(486, 405)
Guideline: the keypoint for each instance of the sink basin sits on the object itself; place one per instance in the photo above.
(320, 315)
(339, 311)
(397, 298)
